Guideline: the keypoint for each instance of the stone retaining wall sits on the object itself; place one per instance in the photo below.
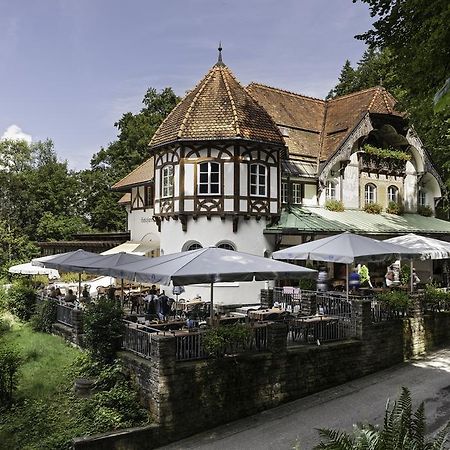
(185, 397)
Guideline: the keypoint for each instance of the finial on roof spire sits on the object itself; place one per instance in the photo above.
(381, 81)
(219, 59)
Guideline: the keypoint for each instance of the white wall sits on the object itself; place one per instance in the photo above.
(140, 224)
(350, 184)
(249, 239)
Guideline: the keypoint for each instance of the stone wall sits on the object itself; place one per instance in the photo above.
(185, 397)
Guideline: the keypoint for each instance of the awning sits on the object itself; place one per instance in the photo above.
(135, 247)
(309, 220)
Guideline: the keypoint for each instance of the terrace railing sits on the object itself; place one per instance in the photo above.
(138, 339)
(64, 314)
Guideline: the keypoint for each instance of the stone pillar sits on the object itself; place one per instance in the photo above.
(77, 327)
(362, 317)
(277, 337)
(415, 310)
(163, 357)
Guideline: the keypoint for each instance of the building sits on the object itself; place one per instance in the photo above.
(257, 168)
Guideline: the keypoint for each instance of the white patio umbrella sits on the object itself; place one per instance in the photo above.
(209, 265)
(428, 248)
(29, 269)
(69, 261)
(347, 248)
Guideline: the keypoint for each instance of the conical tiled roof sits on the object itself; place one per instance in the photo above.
(217, 108)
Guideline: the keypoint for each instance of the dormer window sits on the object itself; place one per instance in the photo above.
(258, 180)
(370, 193)
(167, 181)
(392, 194)
(330, 191)
(209, 178)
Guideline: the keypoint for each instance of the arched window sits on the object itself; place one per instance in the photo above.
(392, 192)
(191, 245)
(258, 179)
(370, 193)
(167, 181)
(422, 197)
(330, 191)
(209, 178)
(227, 245)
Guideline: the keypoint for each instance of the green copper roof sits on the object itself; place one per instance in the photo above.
(304, 220)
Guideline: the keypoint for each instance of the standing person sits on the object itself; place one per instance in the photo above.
(354, 280)
(322, 279)
(164, 306)
(390, 276)
(415, 278)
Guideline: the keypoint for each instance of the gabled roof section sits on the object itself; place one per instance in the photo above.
(302, 117)
(317, 128)
(217, 108)
(141, 175)
(344, 113)
(125, 199)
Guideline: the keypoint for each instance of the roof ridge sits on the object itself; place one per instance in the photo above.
(384, 95)
(354, 93)
(194, 100)
(254, 83)
(373, 99)
(233, 106)
(322, 133)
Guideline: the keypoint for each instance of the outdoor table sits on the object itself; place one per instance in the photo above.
(263, 314)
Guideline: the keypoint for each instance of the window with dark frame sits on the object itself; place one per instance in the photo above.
(209, 178)
(167, 181)
(258, 180)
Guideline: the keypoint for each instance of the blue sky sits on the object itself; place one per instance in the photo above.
(71, 68)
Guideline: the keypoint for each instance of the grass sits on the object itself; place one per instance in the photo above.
(46, 359)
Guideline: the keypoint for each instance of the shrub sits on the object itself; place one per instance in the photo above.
(334, 205)
(222, 339)
(372, 208)
(437, 299)
(21, 300)
(45, 316)
(10, 361)
(402, 429)
(72, 277)
(308, 284)
(425, 211)
(395, 299)
(394, 208)
(103, 328)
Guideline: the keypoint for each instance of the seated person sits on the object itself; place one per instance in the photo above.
(70, 297)
(390, 276)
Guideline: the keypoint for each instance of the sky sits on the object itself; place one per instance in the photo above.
(70, 68)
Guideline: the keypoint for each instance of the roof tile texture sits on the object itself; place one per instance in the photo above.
(141, 175)
(218, 108)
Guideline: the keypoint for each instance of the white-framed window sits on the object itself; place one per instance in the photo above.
(191, 245)
(167, 181)
(296, 193)
(284, 192)
(258, 179)
(392, 193)
(422, 198)
(370, 193)
(330, 190)
(209, 178)
(227, 245)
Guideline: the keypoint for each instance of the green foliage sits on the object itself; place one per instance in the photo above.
(219, 340)
(386, 153)
(103, 328)
(405, 274)
(54, 228)
(402, 429)
(73, 277)
(10, 361)
(308, 284)
(21, 300)
(396, 299)
(437, 299)
(373, 208)
(425, 211)
(334, 205)
(45, 316)
(394, 208)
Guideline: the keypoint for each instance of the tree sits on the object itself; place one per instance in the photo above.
(346, 83)
(402, 430)
(112, 163)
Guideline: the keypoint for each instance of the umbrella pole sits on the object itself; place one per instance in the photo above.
(121, 292)
(411, 280)
(211, 311)
(346, 278)
(79, 287)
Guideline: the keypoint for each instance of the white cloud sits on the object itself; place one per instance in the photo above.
(15, 133)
